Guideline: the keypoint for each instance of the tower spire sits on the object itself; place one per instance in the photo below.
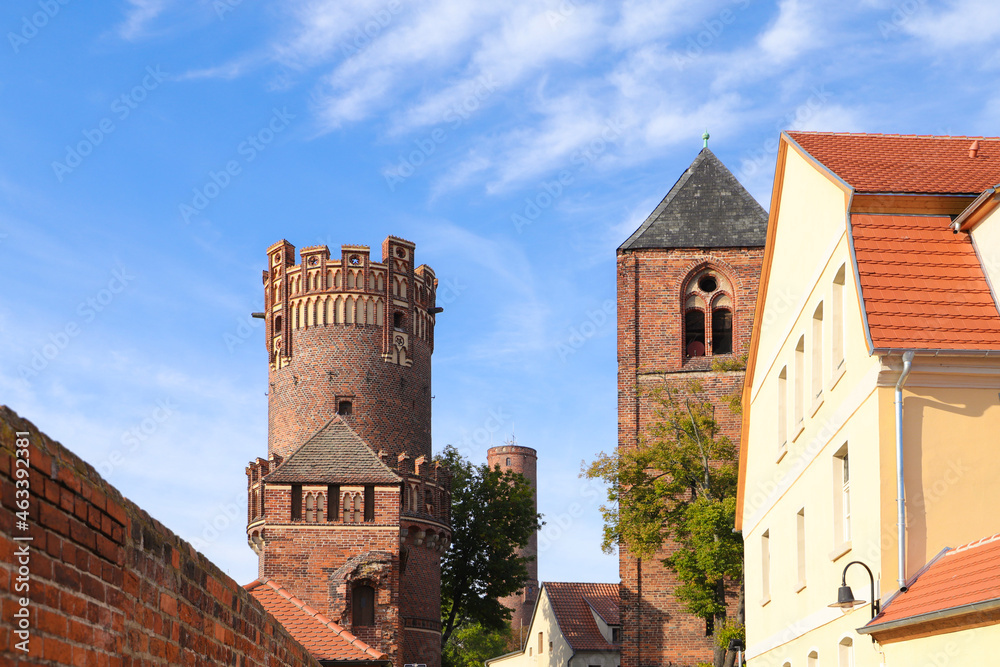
(705, 138)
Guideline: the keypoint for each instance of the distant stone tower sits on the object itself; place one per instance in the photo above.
(348, 512)
(687, 286)
(523, 460)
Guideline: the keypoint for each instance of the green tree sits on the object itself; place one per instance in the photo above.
(679, 485)
(492, 516)
(471, 645)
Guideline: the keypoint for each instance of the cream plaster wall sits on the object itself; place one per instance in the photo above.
(978, 646)
(986, 237)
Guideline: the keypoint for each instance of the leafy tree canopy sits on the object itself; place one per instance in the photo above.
(492, 517)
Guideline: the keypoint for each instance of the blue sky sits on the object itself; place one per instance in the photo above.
(150, 150)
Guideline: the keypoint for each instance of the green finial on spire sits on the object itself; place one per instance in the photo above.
(705, 137)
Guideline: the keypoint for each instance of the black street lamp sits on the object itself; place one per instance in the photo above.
(845, 596)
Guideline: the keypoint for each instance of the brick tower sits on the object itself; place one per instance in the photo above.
(348, 512)
(687, 286)
(523, 460)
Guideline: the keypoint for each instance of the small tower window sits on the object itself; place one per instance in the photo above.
(277, 324)
(296, 502)
(369, 503)
(694, 333)
(508, 461)
(345, 408)
(363, 606)
(722, 331)
(397, 321)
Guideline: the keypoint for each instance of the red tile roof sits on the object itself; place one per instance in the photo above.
(571, 603)
(964, 576)
(923, 286)
(323, 638)
(906, 163)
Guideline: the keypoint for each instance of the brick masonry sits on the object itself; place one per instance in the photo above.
(651, 287)
(110, 585)
(353, 329)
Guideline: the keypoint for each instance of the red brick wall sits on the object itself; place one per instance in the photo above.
(656, 630)
(108, 584)
(391, 404)
(420, 607)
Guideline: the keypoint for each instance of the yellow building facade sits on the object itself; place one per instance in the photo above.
(862, 269)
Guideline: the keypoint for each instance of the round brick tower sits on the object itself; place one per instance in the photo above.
(523, 460)
(353, 337)
(349, 513)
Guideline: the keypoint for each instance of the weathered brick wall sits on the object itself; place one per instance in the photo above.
(391, 403)
(420, 606)
(109, 585)
(656, 630)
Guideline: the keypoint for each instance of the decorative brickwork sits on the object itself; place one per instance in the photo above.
(660, 342)
(109, 585)
(523, 460)
(348, 512)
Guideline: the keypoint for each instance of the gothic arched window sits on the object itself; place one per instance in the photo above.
(708, 314)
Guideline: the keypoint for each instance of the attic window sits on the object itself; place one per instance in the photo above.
(616, 635)
(345, 408)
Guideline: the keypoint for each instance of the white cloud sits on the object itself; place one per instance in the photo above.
(962, 24)
(138, 17)
(792, 33)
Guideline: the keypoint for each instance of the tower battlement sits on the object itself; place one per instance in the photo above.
(350, 336)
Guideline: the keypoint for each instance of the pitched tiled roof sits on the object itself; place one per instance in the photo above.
(923, 286)
(607, 607)
(576, 621)
(334, 455)
(706, 208)
(906, 163)
(968, 575)
(323, 638)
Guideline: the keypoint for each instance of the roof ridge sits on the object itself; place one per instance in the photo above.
(976, 543)
(890, 135)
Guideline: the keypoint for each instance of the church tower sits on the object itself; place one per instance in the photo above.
(523, 460)
(348, 513)
(687, 286)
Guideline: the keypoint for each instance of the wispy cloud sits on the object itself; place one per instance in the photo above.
(138, 16)
(961, 24)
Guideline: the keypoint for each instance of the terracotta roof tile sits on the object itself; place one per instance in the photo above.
(906, 163)
(334, 455)
(324, 639)
(922, 285)
(571, 603)
(962, 576)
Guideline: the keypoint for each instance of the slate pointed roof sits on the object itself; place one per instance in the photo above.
(706, 208)
(334, 455)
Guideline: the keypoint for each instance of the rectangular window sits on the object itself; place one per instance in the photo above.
(296, 502)
(817, 354)
(541, 645)
(841, 498)
(369, 503)
(799, 388)
(765, 565)
(333, 502)
(837, 322)
(800, 534)
(783, 409)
